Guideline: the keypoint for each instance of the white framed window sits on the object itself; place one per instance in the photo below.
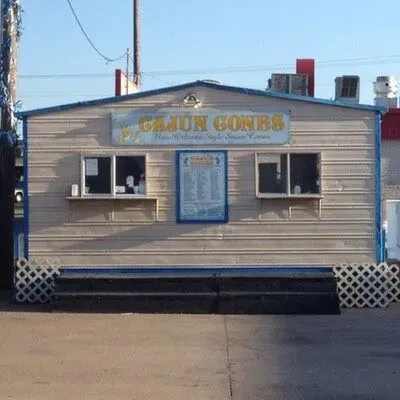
(113, 175)
(288, 174)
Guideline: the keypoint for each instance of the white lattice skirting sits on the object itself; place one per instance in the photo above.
(34, 280)
(367, 285)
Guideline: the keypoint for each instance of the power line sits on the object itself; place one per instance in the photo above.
(64, 76)
(362, 61)
(88, 38)
(151, 75)
(278, 67)
(157, 79)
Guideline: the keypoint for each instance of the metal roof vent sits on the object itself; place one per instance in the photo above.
(296, 84)
(347, 88)
(385, 89)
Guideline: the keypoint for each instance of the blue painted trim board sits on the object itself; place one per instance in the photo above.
(179, 219)
(25, 185)
(378, 190)
(190, 85)
(18, 229)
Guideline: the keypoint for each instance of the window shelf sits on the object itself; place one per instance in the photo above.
(305, 196)
(289, 196)
(120, 197)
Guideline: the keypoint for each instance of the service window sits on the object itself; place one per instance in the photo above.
(97, 175)
(288, 174)
(130, 176)
(114, 175)
(272, 174)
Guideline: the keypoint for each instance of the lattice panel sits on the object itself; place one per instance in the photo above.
(367, 285)
(34, 280)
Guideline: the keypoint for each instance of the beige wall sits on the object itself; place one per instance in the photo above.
(260, 232)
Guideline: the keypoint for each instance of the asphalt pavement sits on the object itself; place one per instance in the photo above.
(46, 355)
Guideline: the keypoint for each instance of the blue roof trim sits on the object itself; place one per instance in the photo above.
(253, 92)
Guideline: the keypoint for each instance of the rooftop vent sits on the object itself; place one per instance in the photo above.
(385, 89)
(296, 84)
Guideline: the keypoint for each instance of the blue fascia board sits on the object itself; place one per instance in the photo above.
(235, 89)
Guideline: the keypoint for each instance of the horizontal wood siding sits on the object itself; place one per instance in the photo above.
(260, 231)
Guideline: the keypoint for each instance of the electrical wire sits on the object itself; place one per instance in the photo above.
(151, 75)
(157, 79)
(365, 61)
(65, 76)
(109, 60)
(279, 67)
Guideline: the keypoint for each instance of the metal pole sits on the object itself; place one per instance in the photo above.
(10, 35)
(127, 72)
(136, 44)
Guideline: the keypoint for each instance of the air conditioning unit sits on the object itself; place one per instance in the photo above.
(347, 88)
(296, 84)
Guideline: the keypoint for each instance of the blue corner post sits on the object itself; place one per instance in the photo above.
(25, 186)
(378, 190)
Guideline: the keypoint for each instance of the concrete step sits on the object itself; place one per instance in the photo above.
(218, 303)
(193, 303)
(228, 291)
(135, 285)
(65, 284)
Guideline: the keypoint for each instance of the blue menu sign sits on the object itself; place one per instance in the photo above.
(202, 186)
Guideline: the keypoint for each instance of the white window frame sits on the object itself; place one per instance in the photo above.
(113, 170)
(288, 194)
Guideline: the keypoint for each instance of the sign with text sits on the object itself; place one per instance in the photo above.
(202, 187)
(208, 127)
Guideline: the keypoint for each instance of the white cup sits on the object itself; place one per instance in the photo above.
(75, 190)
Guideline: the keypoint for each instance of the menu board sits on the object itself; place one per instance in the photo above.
(202, 190)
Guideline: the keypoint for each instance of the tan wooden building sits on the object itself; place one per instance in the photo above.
(203, 174)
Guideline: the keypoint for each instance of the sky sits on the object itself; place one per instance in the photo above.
(238, 43)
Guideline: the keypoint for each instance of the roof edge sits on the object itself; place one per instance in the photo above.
(236, 89)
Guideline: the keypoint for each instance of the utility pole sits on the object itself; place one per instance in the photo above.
(10, 29)
(136, 44)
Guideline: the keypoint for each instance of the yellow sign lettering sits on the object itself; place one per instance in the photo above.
(263, 123)
(277, 123)
(172, 125)
(219, 123)
(200, 123)
(144, 124)
(234, 123)
(247, 123)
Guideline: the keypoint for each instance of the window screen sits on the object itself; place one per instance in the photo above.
(97, 175)
(130, 175)
(304, 173)
(272, 174)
